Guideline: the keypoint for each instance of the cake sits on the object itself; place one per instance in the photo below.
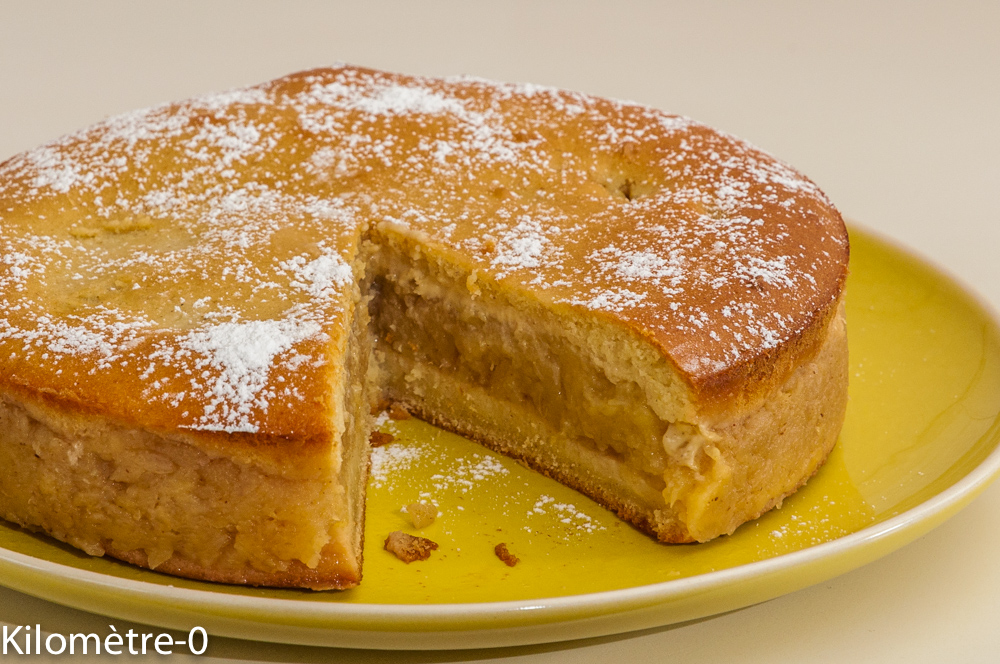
(202, 301)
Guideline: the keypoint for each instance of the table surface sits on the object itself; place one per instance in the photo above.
(893, 108)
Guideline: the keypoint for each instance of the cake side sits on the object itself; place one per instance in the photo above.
(163, 503)
(746, 459)
(263, 511)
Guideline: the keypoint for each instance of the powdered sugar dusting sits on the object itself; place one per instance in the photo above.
(522, 247)
(239, 357)
(567, 513)
(609, 299)
(467, 472)
(199, 256)
(56, 171)
(320, 277)
(389, 461)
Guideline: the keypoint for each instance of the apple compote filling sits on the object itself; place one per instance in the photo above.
(428, 323)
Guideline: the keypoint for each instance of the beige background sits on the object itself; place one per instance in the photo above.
(893, 108)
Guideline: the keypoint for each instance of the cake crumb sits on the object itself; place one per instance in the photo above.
(421, 514)
(508, 558)
(398, 412)
(470, 284)
(409, 547)
(489, 244)
(378, 439)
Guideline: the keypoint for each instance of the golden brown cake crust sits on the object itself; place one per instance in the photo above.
(116, 300)
(297, 576)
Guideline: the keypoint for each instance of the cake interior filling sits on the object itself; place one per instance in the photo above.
(521, 381)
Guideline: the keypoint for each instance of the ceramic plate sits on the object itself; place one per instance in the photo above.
(919, 443)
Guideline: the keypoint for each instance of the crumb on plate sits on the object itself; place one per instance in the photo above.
(409, 547)
(421, 514)
(378, 439)
(505, 555)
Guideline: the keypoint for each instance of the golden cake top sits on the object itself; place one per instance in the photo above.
(189, 266)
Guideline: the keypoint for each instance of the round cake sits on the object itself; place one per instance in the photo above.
(202, 301)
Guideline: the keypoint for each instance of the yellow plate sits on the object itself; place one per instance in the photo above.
(919, 443)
